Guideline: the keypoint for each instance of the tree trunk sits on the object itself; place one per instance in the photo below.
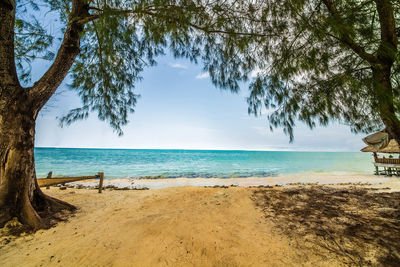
(384, 101)
(20, 195)
(386, 55)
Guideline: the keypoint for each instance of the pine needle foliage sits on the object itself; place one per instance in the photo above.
(307, 60)
(318, 63)
(122, 38)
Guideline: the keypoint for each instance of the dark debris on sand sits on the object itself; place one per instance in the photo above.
(358, 225)
(11, 230)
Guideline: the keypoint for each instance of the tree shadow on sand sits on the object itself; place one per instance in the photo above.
(356, 225)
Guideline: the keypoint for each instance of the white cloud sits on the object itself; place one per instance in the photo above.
(204, 75)
(178, 66)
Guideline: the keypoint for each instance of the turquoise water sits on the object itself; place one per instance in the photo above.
(127, 163)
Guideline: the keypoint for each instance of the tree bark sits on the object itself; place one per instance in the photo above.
(8, 74)
(384, 102)
(16, 166)
(20, 195)
(386, 55)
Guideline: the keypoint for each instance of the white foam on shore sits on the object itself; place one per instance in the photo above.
(303, 178)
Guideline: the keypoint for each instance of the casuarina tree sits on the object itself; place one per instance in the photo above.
(104, 47)
(329, 60)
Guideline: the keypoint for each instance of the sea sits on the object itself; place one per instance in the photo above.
(154, 163)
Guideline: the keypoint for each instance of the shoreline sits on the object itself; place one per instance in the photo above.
(281, 180)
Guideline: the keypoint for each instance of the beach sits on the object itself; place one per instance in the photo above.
(116, 149)
(220, 226)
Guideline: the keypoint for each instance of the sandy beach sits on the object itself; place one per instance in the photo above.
(206, 226)
(199, 133)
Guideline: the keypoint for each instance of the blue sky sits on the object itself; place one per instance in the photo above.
(179, 108)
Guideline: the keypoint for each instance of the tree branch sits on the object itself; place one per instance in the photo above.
(43, 89)
(389, 40)
(100, 45)
(149, 10)
(8, 71)
(345, 36)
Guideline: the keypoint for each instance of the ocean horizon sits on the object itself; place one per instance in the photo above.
(190, 163)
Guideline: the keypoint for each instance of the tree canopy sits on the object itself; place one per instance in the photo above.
(319, 61)
(314, 59)
(121, 38)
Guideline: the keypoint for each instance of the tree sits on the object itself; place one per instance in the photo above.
(329, 60)
(105, 46)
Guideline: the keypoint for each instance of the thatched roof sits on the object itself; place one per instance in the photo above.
(392, 147)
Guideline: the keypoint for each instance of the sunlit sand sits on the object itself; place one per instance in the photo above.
(198, 226)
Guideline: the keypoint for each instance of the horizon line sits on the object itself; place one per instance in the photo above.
(199, 149)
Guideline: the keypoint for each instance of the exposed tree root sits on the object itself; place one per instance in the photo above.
(48, 207)
(42, 212)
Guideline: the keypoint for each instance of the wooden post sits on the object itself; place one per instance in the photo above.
(101, 175)
(376, 170)
(49, 176)
(375, 161)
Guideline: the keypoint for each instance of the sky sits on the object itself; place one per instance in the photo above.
(179, 108)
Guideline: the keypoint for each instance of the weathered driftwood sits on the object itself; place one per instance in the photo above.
(42, 182)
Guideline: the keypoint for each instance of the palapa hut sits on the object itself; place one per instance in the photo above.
(380, 143)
